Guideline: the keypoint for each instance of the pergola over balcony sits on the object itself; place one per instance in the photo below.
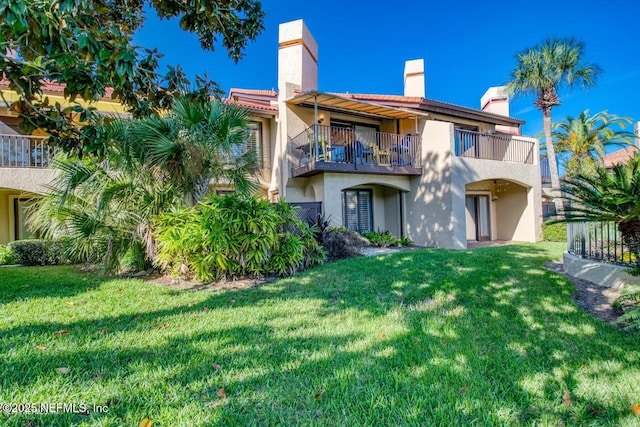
(328, 148)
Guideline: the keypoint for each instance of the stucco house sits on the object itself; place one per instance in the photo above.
(438, 173)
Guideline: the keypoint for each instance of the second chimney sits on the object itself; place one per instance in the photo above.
(495, 100)
(414, 83)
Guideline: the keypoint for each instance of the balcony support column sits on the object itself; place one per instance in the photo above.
(315, 127)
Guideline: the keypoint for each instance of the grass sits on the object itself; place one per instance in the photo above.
(431, 337)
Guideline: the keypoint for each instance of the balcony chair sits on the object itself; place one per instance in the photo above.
(382, 157)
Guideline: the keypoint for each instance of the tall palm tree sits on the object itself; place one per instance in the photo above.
(585, 138)
(152, 165)
(542, 70)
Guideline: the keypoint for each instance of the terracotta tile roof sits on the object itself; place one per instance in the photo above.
(257, 100)
(272, 93)
(621, 156)
(54, 87)
(376, 97)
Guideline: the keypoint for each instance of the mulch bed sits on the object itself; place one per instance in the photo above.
(592, 298)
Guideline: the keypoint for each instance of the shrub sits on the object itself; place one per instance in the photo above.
(629, 301)
(38, 252)
(405, 241)
(6, 256)
(341, 242)
(381, 239)
(234, 236)
(554, 232)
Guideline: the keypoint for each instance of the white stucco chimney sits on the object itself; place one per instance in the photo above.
(495, 100)
(414, 82)
(297, 59)
(636, 130)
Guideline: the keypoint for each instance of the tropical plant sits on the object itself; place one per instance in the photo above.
(542, 70)
(585, 138)
(152, 165)
(612, 195)
(235, 236)
(629, 301)
(86, 46)
(195, 144)
(608, 195)
(381, 239)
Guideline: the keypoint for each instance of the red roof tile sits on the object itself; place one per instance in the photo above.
(54, 87)
(618, 157)
(258, 100)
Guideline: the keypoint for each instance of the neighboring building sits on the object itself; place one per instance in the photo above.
(438, 173)
(24, 160)
(624, 154)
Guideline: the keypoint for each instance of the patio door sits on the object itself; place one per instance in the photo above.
(478, 219)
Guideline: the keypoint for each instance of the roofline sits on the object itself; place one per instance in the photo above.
(413, 113)
(465, 112)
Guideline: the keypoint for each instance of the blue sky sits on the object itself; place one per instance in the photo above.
(468, 46)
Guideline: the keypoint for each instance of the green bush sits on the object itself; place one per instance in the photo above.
(38, 252)
(629, 301)
(6, 256)
(405, 241)
(341, 242)
(554, 232)
(234, 236)
(382, 239)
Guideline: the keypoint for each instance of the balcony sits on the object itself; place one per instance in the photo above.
(24, 151)
(336, 149)
(504, 148)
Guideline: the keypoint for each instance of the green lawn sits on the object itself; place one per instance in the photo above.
(431, 337)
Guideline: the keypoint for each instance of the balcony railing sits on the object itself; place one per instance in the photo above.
(24, 151)
(332, 148)
(493, 147)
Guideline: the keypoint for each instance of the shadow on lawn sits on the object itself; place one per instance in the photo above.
(485, 337)
(26, 282)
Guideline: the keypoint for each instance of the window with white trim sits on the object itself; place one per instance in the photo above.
(253, 142)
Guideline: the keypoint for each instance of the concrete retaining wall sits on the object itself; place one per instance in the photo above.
(607, 275)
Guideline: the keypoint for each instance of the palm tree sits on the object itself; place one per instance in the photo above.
(586, 138)
(542, 70)
(608, 196)
(152, 165)
(195, 144)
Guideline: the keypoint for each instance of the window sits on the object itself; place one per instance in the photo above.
(253, 142)
(20, 209)
(357, 210)
(548, 210)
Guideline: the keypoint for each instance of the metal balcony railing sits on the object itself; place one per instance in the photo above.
(504, 148)
(332, 144)
(24, 151)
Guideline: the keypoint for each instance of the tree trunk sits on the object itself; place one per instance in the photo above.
(553, 164)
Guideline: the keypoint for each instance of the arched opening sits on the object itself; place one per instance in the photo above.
(498, 209)
(373, 207)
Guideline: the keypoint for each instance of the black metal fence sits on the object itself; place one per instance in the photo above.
(599, 241)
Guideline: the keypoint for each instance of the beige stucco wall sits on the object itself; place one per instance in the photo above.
(519, 212)
(25, 179)
(428, 204)
(7, 214)
(435, 206)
